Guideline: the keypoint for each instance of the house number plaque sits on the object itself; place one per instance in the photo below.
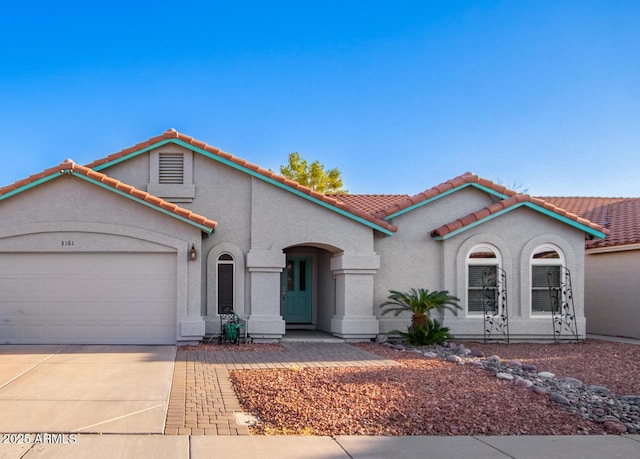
(67, 243)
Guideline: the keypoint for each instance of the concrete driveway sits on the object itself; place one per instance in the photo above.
(84, 389)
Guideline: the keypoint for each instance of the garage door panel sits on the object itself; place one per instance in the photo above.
(105, 298)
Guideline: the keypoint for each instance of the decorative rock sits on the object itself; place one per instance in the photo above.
(559, 398)
(599, 389)
(593, 402)
(546, 375)
(381, 339)
(615, 426)
(573, 382)
(416, 351)
(635, 399)
(524, 383)
(540, 390)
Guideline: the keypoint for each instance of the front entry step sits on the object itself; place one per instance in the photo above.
(310, 336)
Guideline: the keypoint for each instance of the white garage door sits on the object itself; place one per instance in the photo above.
(88, 298)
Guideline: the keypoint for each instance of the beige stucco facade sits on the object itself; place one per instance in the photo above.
(612, 303)
(350, 262)
(442, 265)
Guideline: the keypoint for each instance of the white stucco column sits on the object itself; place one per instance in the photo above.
(265, 267)
(192, 325)
(354, 317)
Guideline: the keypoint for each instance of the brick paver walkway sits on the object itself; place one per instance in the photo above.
(202, 400)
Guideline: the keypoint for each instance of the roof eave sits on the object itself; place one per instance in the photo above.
(386, 229)
(444, 194)
(584, 228)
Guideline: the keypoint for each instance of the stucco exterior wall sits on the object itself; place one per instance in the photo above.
(326, 291)
(257, 221)
(612, 306)
(516, 235)
(411, 258)
(97, 220)
(134, 171)
(281, 219)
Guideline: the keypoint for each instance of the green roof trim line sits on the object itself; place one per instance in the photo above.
(442, 195)
(33, 184)
(238, 167)
(532, 206)
(133, 154)
(143, 202)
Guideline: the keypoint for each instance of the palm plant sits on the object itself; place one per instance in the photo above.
(420, 302)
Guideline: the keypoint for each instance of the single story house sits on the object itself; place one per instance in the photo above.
(612, 265)
(151, 244)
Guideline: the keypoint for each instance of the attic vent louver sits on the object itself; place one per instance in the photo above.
(171, 169)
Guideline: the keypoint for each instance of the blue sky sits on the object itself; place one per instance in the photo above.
(400, 95)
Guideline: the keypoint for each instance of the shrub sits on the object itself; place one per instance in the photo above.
(420, 335)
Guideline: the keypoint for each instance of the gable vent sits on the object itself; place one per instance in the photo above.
(171, 169)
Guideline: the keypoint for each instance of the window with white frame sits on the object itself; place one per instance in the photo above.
(483, 263)
(546, 279)
(225, 267)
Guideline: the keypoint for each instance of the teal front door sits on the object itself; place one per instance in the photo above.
(296, 289)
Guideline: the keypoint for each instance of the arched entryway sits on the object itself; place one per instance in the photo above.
(308, 287)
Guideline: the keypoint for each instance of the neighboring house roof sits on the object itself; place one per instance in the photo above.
(68, 167)
(514, 202)
(172, 136)
(370, 203)
(620, 215)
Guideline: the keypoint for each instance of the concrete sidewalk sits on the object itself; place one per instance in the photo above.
(284, 447)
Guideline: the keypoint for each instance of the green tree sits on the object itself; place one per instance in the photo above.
(313, 175)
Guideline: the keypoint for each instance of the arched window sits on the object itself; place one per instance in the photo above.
(546, 279)
(225, 267)
(483, 263)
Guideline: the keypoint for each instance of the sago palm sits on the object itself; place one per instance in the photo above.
(420, 302)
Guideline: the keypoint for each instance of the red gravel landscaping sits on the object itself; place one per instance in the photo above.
(432, 397)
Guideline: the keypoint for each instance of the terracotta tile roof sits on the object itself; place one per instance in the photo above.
(173, 134)
(506, 204)
(370, 203)
(69, 167)
(464, 179)
(620, 215)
